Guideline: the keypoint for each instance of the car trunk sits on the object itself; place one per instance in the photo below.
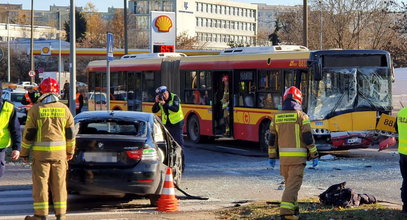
(104, 150)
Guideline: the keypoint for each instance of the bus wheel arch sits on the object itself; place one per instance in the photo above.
(193, 128)
(264, 133)
(117, 108)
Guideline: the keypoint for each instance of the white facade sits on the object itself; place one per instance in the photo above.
(215, 23)
(24, 31)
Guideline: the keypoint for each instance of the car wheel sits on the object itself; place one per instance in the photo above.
(178, 169)
(264, 135)
(193, 129)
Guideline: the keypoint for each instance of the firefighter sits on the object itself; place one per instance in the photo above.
(10, 133)
(291, 139)
(171, 114)
(49, 131)
(225, 104)
(30, 97)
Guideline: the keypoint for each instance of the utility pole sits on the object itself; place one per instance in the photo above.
(32, 40)
(305, 23)
(72, 64)
(126, 43)
(321, 27)
(60, 45)
(8, 48)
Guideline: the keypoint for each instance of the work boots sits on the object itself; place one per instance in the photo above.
(290, 217)
(60, 217)
(35, 217)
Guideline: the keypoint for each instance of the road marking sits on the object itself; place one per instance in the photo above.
(231, 148)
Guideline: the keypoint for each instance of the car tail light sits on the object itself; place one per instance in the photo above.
(135, 154)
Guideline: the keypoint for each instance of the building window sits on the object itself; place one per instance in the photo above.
(222, 10)
(227, 11)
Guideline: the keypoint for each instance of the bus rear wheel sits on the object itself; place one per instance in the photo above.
(193, 129)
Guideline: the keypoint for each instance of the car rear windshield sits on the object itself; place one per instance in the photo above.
(16, 97)
(137, 128)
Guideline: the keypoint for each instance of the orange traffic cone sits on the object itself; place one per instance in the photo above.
(167, 201)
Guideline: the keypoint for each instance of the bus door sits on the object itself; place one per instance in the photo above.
(298, 78)
(222, 103)
(134, 91)
(170, 75)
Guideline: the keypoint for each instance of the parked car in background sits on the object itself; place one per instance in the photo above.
(122, 153)
(15, 96)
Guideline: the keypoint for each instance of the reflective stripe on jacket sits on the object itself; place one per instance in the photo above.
(174, 117)
(402, 128)
(5, 116)
(50, 121)
(288, 126)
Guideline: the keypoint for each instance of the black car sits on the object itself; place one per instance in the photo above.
(122, 153)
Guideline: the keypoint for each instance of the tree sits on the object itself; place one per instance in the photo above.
(80, 27)
(233, 44)
(186, 42)
(273, 37)
(95, 28)
(116, 27)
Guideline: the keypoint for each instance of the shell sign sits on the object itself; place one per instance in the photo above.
(46, 51)
(162, 29)
(163, 23)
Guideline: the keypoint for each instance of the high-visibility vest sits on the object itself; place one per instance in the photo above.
(77, 104)
(402, 127)
(5, 116)
(174, 117)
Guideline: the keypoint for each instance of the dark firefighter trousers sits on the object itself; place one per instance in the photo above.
(403, 170)
(293, 175)
(52, 174)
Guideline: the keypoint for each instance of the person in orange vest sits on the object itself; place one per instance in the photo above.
(29, 98)
(78, 102)
(292, 141)
(49, 134)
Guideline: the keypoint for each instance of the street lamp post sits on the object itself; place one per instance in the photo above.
(60, 45)
(72, 65)
(305, 23)
(32, 40)
(126, 43)
(8, 47)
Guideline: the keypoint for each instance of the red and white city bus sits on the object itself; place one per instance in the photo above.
(345, 91)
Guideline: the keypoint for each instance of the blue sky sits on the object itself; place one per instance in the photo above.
(102, 5)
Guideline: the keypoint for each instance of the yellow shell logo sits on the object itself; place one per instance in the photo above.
(163, 23)
(45, 50)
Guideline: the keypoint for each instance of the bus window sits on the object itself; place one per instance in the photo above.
(269, 89)
(149, 86)
(197, 88)
(245, 89)
(290, 78)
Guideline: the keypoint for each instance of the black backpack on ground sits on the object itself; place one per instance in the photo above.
(338, 195)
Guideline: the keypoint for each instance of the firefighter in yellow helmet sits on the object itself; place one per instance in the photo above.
(49, 132)
(291, 139)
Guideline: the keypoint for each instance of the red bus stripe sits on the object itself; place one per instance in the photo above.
(250, 64)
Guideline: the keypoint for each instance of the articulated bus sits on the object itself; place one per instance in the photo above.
(345, 91)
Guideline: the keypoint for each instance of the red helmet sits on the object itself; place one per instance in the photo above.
(225, 78)
(49, 85)
(293, 93)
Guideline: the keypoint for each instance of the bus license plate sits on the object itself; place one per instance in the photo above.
(100, 157)
(354, 140)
